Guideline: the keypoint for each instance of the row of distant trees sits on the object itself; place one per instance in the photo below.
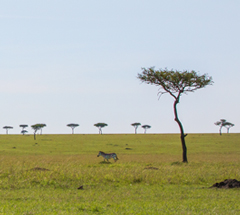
(224, 123)
(99, 125)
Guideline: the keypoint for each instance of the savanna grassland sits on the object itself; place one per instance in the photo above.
(42, 176)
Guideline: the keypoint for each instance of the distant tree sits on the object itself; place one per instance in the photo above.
(175, 83)
(35, 128)
(228, 125)
(42, 125)
(135, 125)
(23, 128)
(7, 127)
(220, 123)
(24, 131)
(223, 123)
(100, 125)
(72, 126)
(145, 127)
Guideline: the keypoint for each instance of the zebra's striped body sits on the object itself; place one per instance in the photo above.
(108, 156)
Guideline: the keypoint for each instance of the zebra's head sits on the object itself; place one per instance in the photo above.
(99, 153)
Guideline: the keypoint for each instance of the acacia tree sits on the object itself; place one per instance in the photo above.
(72, 126)
(23, 128)
(135, 125)
(220, 124)
(100, 125)
(175, 83)
(223, 123)
(42, 126)
(228, 125)
(35, 128)
(145, 127)
(24, 131)
(7, 127)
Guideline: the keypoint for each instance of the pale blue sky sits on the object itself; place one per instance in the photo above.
(77, 62)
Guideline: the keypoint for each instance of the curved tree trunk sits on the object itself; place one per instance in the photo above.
(184, 147)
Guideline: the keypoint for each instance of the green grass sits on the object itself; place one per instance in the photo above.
(149, 177)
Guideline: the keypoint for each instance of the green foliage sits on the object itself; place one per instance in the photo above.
(135, 125)
(72, 126)
(43, 178)
(174, 82)
(145, 127)
(100, 125)
(224, 123)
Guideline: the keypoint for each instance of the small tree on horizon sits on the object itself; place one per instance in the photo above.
(72, 126)
(145, 127)
(228, 125)
(24, 131)
(100, 125)
(135, 125)
(7, 128)
(223, 123)
(175, 83)
(23, 128)
(35, 128)
(42, 125)
(220, 124)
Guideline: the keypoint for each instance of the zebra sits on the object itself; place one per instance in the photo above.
(108, 156)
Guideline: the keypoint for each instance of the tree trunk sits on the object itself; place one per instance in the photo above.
(184, 147)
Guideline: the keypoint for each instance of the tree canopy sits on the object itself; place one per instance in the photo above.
(72, 126)
(223, 123)
(7, 127)
(100, 125)
(145, 127)
(175, 83)
(37, 127)
(135, 125)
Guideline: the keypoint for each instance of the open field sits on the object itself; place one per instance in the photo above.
(42, 176)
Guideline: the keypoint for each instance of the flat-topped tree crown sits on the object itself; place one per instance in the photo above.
(145, 127)
(7, 128)
(72, 126)
(175, 83)
(100, 125)
(135, 125)
(36, 127)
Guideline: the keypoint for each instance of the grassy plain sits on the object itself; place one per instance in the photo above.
(42, 176)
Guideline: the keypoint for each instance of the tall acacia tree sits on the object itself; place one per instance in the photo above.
(175, 83)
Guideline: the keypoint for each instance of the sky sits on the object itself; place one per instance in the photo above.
(77, 61)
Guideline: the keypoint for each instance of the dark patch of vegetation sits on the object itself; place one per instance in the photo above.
(151, 167)
(38, 169)
(227, 183)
